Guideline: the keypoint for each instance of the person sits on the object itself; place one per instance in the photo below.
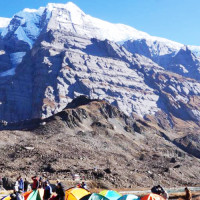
(83, 185)
(26, 183)
(156, 189)
(41, 182)
(60, 191)
(1, 181)
(160, 191)
(21, 183)
(57, 181)
(164, 193)
(35, 183)
(16, 186)
(188, 194)
(19, 195)
(47, 191)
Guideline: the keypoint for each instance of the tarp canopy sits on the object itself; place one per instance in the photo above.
(152, 196)
(34, 195)
(75, 193)
(26, 194)
(30, 195)
(94, 196)
(110, 194)
(6, 197)
(129, 197)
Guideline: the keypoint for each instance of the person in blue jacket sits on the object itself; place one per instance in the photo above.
(47, 191)
(21, 183)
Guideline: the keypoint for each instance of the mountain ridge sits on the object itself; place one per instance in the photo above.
(133, 32)
(60, 60)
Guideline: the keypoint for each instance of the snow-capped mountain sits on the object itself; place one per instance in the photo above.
(51, 55)
(4, 23)
(27, 25)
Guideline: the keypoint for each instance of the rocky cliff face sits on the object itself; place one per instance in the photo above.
(52, 55)
(183, 61)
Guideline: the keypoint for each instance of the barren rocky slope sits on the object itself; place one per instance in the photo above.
(100, 143)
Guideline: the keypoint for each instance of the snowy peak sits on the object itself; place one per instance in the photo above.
(4, 22)
(68, 6)
(69, 17)
(25, 26)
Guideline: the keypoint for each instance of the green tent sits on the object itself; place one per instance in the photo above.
(94, 196)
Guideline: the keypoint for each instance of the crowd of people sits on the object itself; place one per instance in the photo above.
(22, 186)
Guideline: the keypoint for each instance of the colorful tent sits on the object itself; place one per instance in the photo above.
(6, 197)
(94, 196)
(152, 196)
(30, 195)
(129, 197)
(110, 194)
(75, 193)
(34, 195)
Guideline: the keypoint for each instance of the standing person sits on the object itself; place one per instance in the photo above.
(41, 182)
(60, 191)
(83, 185)
(16, 186)
(47, 191)
(19, 195)
(1, 181)
(35, 183)
(26, 183)
(188, 194)
(21, 183)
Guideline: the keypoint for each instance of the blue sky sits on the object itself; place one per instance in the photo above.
(178, 20)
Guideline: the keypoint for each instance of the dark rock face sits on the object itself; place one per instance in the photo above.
(190, 144)
(186, 64)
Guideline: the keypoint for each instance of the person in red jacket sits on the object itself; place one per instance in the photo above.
(35, 183)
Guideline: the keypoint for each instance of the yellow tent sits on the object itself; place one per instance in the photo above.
(75, 193)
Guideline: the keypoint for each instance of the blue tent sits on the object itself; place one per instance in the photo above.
(110, 194)
(129, 197)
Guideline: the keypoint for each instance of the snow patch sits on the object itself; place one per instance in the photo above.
(30, 10)
(16, 58)
(4, 22)
(9, 72)
(195, 50)
(21, 35)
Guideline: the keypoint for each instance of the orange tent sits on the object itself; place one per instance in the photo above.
(152, 196)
